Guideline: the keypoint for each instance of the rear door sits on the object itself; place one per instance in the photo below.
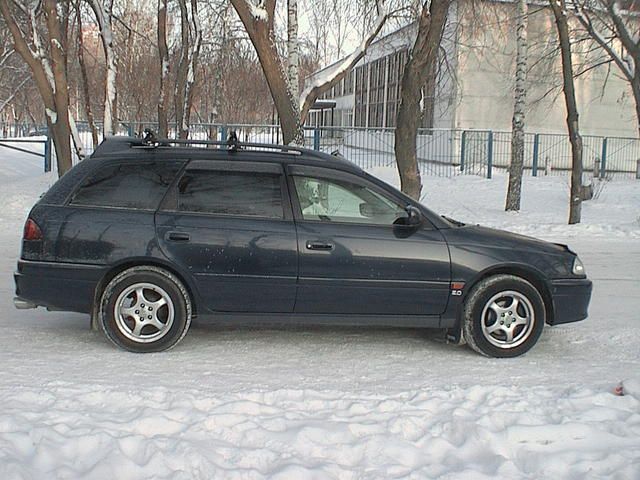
(230, 224)
(352, 257)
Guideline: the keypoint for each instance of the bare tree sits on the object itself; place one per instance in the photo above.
(103, 10)
(48, 66)
(163, 53)
(418, 72)
(517, 131)
(191, 40)
(84, 77)
(293, 46)
(575, 202)
(259, 22)
(222, 63)
(138, 79)
(616, 31)
(15, 77)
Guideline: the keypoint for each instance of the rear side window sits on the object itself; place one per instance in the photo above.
(231, 193)
(127, 185)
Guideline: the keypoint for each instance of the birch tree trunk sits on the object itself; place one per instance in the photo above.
(575, 201)
(84, 79)
(420, 69)
(218, 73)
(103, 10)
(163, 52)
(517, 130)
(293, 64)
(191, 38)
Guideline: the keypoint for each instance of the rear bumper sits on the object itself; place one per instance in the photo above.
(56, 286)
(570, 300)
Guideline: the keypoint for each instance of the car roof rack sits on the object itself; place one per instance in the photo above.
(121, 144)
(231, 146)
(149, 140)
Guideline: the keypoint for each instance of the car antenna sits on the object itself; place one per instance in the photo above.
(337, 154)
(232, 142)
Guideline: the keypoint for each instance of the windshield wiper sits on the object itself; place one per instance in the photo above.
(455, 222)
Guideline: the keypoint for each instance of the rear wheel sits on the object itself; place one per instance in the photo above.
(503, 316)
(145, 309)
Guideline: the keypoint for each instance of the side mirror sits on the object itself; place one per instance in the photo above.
(413, 218)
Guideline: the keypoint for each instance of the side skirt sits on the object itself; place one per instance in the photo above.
(298, 319)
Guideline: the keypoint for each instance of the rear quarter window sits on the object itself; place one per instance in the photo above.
(60, 191)
(127, 185)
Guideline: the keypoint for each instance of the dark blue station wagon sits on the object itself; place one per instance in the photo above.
(145, 236)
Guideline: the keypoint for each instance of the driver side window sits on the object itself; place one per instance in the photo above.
(329, 200)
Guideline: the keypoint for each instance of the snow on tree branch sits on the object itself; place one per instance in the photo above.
(585, 20)
(39, 52)
(626, 37)
(333, 75)
(259, 12)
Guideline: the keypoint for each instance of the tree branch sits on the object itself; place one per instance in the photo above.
(325, 82)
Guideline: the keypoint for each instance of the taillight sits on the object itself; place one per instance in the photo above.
(32, 231)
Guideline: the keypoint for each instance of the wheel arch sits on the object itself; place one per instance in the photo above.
(533, 276)
(139, 262)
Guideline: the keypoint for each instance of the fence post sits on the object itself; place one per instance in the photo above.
(490, 154)
(603, 160)
(463, 146)
(47, 153)
(536, 148)
(316, 138)
(596, 167)
(638, 169)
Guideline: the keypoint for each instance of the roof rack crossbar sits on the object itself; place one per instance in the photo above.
(160, 142)
(114, 144)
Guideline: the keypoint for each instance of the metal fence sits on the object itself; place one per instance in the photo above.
(441, 152)
(445, 152)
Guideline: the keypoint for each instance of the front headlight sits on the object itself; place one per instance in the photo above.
(578, 267)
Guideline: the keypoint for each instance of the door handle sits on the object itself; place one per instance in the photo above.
(315, 245)
(178, 236)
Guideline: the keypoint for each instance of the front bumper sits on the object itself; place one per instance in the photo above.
(570, 300)
(56, 286)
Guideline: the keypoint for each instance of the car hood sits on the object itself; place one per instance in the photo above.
(479, 235)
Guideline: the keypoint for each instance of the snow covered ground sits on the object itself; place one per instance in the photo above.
(335, 402)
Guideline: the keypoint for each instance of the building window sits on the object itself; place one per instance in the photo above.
(360, 109)
(349, 83)
(428, 94)
(396, 64)
(376, 92)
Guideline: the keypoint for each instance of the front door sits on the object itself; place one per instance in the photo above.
(352, 257)
(229, 225)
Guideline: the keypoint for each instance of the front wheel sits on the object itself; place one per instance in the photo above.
(503, 316)
(145, 309)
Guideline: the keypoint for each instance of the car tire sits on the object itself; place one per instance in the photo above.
(503, 316)
(145, 309)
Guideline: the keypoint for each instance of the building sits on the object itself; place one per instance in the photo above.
(475, 81)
